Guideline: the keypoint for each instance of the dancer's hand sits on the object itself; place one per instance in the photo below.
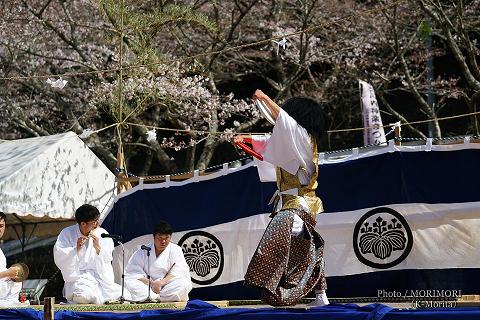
(258, 94)
(271, 105)
(242, 138)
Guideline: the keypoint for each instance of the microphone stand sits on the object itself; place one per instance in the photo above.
(122, 299)
(148, 299)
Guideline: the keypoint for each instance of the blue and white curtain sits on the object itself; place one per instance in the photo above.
(398, 220)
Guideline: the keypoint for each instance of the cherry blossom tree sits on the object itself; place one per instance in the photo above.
(191, 67)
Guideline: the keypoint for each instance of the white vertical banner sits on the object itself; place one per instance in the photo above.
(372, 120)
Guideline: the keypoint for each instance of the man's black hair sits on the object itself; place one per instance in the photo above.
(162, 227)
(86, 213)
(309, 114)
(3, 216)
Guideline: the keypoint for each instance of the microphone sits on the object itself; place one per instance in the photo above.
(113, 236)
(144, 247)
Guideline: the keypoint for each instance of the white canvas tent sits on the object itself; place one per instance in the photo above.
(44, 179)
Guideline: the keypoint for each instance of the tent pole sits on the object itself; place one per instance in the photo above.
(31, 232)
(16, 232)
(24, 231)
(22, 238)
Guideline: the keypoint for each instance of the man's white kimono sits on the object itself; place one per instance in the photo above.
(88, 277)
(170, 261)
(9, 290)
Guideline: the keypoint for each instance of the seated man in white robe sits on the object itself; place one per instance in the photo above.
(169, 272)
(85, 259)
(9, 290)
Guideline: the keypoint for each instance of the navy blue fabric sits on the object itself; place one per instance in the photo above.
(192, 206)
(392, 178)
(400, 177)
(196, 310)
(20, 314)
(437, 314)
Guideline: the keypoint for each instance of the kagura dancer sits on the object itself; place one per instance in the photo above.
(289, 261)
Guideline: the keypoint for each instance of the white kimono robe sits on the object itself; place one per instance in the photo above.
(175, 290)
(290, 148)
(88, 277)
(9, 290)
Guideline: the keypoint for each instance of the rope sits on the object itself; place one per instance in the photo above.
(406, 123)
(260, 133)
(400, 139)
(189, 130)
(358, 148)
(162, 177)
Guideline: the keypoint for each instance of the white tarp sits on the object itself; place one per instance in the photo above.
(429, 224)
(44, 179)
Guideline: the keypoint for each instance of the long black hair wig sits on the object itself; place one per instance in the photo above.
(309, 114)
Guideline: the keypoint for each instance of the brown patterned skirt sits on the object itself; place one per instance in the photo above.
(284, 266)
